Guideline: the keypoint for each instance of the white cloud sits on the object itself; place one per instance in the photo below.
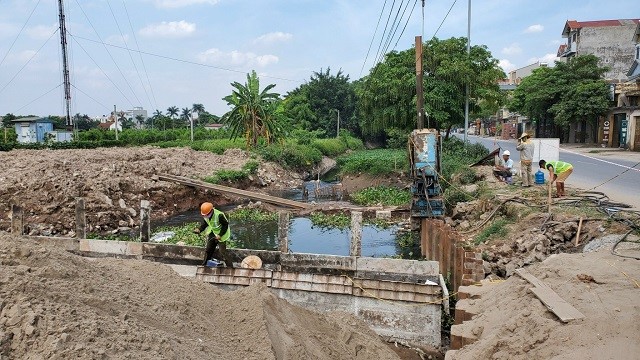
(273, 37)
(236, 58)
(174, 29)
(534, 28)
(513, 49)
(41, 32)
(506, 65)
(548, 58)
(169, 4)
(7, 30)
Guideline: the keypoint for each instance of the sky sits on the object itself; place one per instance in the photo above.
(190, 51)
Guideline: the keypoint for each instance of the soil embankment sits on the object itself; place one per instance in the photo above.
(56, 305)
(113, 181)
(513, 324)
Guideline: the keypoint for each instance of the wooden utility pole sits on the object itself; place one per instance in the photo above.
(419, 84)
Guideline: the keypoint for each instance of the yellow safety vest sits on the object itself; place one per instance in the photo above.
(214, 226)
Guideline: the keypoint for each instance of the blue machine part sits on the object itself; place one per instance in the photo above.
(425, 161)
(426, 157)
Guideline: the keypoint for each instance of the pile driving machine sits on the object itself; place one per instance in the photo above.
(425, 148)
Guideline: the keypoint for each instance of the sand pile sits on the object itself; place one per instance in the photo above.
(112, 181)
(56, 305)
(513, 324)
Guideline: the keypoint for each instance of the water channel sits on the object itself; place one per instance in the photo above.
(304, 236)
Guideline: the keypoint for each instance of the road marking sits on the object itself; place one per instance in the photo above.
(604, 161)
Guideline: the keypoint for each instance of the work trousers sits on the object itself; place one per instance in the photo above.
(525, 170)
(218, 250)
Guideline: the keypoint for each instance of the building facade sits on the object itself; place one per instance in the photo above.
(615, 43)
(32, 129)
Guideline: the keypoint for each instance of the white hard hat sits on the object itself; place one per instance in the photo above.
(506, 152)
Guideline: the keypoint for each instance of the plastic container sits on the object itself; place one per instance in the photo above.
(213, 263)
(539, 178)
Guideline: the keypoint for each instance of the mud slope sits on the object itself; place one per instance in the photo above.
(56, 305)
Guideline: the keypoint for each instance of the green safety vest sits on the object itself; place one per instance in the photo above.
(214, 226)
(559, 166)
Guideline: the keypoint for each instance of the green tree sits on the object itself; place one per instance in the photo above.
(253, 113)
(315, 104)
(7, 120)
(172, 113)
(387, 96)
(139, 120)
(569, 93)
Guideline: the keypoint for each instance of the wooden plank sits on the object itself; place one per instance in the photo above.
(557, 305)
(234, 191)
(578, 233)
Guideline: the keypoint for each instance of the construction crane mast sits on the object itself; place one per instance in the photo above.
(65, 64)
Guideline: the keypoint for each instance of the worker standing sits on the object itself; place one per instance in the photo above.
(215, 226)
(526, 149)
(559, 171)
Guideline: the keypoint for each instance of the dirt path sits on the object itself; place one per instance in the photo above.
(113, 182)
(56, 305)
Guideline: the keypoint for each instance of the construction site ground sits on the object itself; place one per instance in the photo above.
(57, 305)
(510, 225)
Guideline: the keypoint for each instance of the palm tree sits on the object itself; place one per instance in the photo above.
(253, 112)
(185, 115)
(139, 121)
(197, 109)
(172, 112)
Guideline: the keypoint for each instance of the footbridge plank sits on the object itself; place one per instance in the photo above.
(233, 191)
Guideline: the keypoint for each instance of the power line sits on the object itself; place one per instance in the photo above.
(39, 97)
(396, 25)
(90, 97)
(103, 72)
(182, 60)
(144, 67)
(405, 24)
(445, 18)
(392, 29)
(384, 32)
(111, 56)
(374, 37)
(20, 32)
(129, 52)
(28, 61)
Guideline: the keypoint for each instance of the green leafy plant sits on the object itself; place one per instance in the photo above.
(254, 215)
(383, 195)
(340, 221)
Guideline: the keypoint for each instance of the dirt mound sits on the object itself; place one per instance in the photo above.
(513, 324)
(57, 305)
(113, 182)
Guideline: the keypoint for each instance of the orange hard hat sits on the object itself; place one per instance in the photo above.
(206, 208)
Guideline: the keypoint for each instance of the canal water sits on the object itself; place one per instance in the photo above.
(304, 237)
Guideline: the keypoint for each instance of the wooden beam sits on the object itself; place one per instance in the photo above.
(557, 305)
(234, 191)
(578, 233)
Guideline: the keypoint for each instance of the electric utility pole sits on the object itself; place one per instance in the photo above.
(419, 83)
(466, 98)
(65, 64)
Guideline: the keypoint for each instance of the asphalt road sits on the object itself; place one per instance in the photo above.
(588, 171)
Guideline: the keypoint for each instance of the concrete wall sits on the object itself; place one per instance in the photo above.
(613, 45)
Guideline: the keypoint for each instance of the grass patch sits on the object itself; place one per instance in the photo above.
(495, 230)
(184, 234)
(383, 195)
(231, 176)
(374, 162)
(292, 155)
(339, 221)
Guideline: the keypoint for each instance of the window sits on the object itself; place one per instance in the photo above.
(638, 52)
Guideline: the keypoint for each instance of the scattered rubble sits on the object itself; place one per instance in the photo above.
(113, 181)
